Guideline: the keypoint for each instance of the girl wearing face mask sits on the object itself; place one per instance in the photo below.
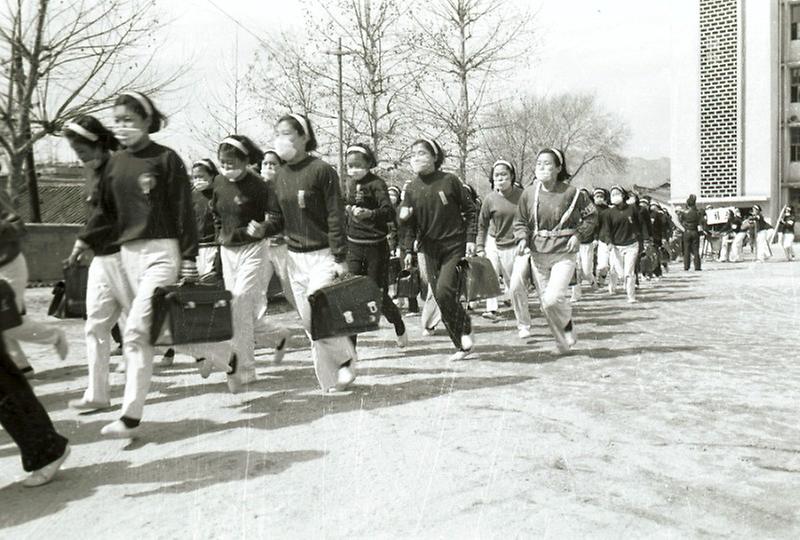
(107, 292)
(624, 232)
(314, 226)
(496, 242)
(370, 212)
(203, 173)
(552, 219)
(443, 218)
(245, 210)
(276, 256)
(585, 260)
(151, 191)
(786, 230)
(602, 266)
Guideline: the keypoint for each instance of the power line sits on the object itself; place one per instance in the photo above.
(238, 23)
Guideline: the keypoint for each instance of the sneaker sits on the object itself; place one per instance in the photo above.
(44, 475)
(428, 331)
(118, 430)
(344, 377)
(490, 315)
(28, 372)
(402, 340)
(280, 348)
(459, 355)
(631, 300)
(234, 384)
(205, 366)
(524, 333)
(570, 336)
(61, 345)
(246, 376)
(167, 359)
(84, 405)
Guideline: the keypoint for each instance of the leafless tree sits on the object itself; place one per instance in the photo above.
(64, 59)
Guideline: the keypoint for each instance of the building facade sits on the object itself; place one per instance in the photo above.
(735, 103)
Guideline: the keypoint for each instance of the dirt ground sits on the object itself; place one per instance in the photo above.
(674, 417)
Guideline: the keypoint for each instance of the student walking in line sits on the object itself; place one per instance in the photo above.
(692, 221)
(585, 265)
(370, 212)
(786, 233)
(204, 172)
(603, 250)
(496, 241)
(760, 233)
(314, 225)
(157, 236)
(442, 218)
(625, 232)
(108, 294)
(552, 219)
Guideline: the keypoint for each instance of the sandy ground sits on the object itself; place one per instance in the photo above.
(674, 417)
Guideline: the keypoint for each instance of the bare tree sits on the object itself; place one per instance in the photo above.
(465, 46)
(591, 137)
(65, 59)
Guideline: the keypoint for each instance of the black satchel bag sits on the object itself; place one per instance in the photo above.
(395, 267)
(69, 295)
(10, 316)
(477, 279)
(57, 304)
(191, 313)
(408, 283)
(348, 306)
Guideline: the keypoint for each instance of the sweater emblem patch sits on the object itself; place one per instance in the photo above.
(240, 200)
(147, 182)
(443, 197)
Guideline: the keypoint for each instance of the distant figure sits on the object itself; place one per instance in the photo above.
(692, 221)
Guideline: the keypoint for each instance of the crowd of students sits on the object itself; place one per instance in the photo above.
(250, 214)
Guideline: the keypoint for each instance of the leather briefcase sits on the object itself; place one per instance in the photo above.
(408, 283)
(10, 316)
(76, 279)
(191, 313)
(395, 267)
(57, 303)
(477, 279)
(347, 306)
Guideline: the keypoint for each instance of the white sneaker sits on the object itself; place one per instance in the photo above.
(205, 367)
(234, 384)
(83, 405)
(44, 475)
(524, 333)
(167, 359)
(402, 340)
(466, 342)
(344, 377)
(570, 337)
(428, 331)
(61, 345)
(118, 430)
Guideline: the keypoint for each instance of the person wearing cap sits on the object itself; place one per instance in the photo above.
(603, 250)
(370, 212)
(625, 232)
(442, 218)
(552, 219)
(786, 231)
(314, 226)
(692, 220)
(759, 230)
(496, 241)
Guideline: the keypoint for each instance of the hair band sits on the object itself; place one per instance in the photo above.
(558, 153)
(302, 121)
(434, 146)
(358, 148)
(236, 144)
(143, 101)
(82, 131)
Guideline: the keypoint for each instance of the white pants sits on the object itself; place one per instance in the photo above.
(725, 251)
(431, 314)
(623, 261)
(552, 273)
(108, 297)
(762, 245)
(308, 272)
(603, 259)
(276, 260)
(512, 268)
(147, 264)
(737, 247)
(787, 242)
(586, 258)
(205, 259)
(16, 274)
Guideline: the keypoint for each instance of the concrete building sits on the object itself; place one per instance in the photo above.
(735, 103)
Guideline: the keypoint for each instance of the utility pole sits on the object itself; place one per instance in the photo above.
(339, 53)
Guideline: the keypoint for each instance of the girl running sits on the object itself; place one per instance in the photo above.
(108, 294)
(370, 212)
(601, 197)
(552, 219)
(157, 236)
(313, 215)
(203, 174)
(442, 217)
(624, 232)
(496, 241)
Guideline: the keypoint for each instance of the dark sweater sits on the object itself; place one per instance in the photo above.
(498, 210)
(442, 211)
(659, 226)
(163, 211)
(692, 219)
(201, 201)
(622, 225)
(236, 204)
(101, 231)
(371, 193)
(12, 228)
(786, 225)
(320, 224)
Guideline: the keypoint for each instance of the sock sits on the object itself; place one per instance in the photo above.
(198, 360)
(346, 364)
(130, 422)
(281, 345)
(568, 328)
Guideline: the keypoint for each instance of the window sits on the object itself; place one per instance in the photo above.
(794, 144)
(794, 82)
(795, 22)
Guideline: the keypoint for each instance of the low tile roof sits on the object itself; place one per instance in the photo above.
(59, 203)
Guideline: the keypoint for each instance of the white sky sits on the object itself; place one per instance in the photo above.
(619, 49)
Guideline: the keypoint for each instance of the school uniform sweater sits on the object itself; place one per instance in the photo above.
(204, 217)
(659, 226)
(497, 218)
(786, 225)
(442, 212)
(598, 228)
(12, 228)
(692, 219)
(101, 231)
(312, 207)
(153, 197)
(551, 208)
(235, 204)
(623, 225)
(370, 193)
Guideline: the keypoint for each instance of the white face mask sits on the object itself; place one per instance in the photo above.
(201, 185)
(422, 165)
(356, 173)
(128, 136)
(616, 198)
(285, 149)
(269, 174)
(232, 174)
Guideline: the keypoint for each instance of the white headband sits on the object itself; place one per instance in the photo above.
(236, 144)
(557, 152)
(143, 101)
(434, 146)
(357, 148)
(302, 121)
(82, 131)
(503, 162)
(205, 163)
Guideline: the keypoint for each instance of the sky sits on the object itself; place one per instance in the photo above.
(619, 49)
